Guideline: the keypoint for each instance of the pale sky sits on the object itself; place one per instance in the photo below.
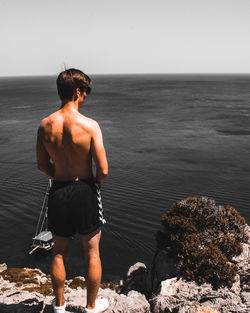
(39, 37)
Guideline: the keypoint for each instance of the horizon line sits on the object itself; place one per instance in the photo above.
(139, 73)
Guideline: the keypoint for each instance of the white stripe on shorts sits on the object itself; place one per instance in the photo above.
(99, 198)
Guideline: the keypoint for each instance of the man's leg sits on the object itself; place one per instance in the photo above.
(90, 244)
(58, 273)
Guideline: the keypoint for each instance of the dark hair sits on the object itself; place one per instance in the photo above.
(68, 81)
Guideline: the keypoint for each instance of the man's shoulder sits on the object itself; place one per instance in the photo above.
(47, 123)
(49, 119)
(88, 122)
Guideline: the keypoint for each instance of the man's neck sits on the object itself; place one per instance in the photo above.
(70, 106)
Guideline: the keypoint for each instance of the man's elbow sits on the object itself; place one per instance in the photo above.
(103, 171)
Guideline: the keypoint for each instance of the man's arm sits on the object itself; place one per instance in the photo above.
(43, 158)
(99, 154)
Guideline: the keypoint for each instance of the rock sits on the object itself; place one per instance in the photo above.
(206, 309)
(136, 279)
(178, 295)
(245, 296)
(243, 267)
(15, 299)
(169, 287)
(160, 304)
(184, 289)
(133, 302)
(242, 262)
(175, 295)
(137, 266)
(236, 285)
(3, 267)
(244, 256)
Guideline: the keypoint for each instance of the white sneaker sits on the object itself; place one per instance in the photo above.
(58, 309)
(100, 306)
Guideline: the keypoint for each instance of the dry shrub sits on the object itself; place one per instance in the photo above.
(21, 275)
(203, 238)
(5, 289)
(112, 286)
(45, 289)
(77, 282)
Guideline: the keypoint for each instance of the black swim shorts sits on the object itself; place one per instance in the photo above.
(74, 207)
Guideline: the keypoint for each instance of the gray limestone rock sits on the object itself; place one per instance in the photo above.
(206, 309)
(3, 267)
(15, 299)
(133, 302)
(242, 262)
(245, 296)
(178, 295)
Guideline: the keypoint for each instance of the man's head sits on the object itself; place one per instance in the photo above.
(71, 81)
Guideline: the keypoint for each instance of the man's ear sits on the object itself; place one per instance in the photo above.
(76, 94)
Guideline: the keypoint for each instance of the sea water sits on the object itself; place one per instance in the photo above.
(167, 137)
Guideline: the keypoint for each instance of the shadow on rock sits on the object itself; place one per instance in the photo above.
(148, 281)
(69, 309)
(27, 306)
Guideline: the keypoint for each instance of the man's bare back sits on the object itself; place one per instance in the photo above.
(70, 140)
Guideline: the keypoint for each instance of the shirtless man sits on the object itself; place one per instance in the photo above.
(66, 143)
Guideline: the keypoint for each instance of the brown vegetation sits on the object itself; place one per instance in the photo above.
(30, 280)
(5, 289)
(45, 289)
(77, 282)
(111, 286)
(203, 238)
(21, 275)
